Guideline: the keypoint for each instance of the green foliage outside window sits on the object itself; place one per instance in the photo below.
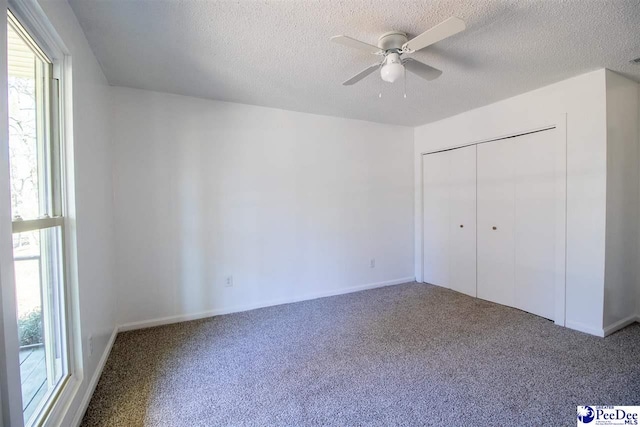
(30, 327)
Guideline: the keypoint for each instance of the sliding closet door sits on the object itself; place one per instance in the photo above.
(496, 198)
(449, 206)
(536, 232)
(436, 194)
(462, 220)
(521, 211)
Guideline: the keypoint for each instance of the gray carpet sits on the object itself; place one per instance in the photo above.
(410, 354)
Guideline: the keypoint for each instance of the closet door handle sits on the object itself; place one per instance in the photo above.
(494, 227)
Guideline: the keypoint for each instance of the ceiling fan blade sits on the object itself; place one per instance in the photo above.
(441, 31)
(361, 75)
(421, 70)
(355, 44)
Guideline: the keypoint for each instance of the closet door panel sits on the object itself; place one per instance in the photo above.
(535, 222)
(436, 188)
(462, 225)
(496, 220)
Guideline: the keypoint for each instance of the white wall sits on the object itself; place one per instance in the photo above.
(621, 267)
(292, 205)
(582, 98)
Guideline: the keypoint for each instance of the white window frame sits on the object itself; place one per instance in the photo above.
(34, 20)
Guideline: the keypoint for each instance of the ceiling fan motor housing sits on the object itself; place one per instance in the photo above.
(392, 40)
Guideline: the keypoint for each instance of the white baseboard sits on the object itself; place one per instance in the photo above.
(608, 330)
(91, 387)
(584, 328)
(620, 324)
(236, 309)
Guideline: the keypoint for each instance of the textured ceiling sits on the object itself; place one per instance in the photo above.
(278, 53)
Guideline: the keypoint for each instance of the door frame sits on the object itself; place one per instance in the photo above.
(560, 125)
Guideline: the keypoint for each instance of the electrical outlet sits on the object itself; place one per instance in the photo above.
(228, 282)
(90, 342)
(373, 263)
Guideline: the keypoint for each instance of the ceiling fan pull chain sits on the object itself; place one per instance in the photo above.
(405, 83)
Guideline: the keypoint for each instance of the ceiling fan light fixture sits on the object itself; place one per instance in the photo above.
(392, 69)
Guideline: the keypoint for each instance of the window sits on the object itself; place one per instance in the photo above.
(37, 212)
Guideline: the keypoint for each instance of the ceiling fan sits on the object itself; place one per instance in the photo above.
(394, 44)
